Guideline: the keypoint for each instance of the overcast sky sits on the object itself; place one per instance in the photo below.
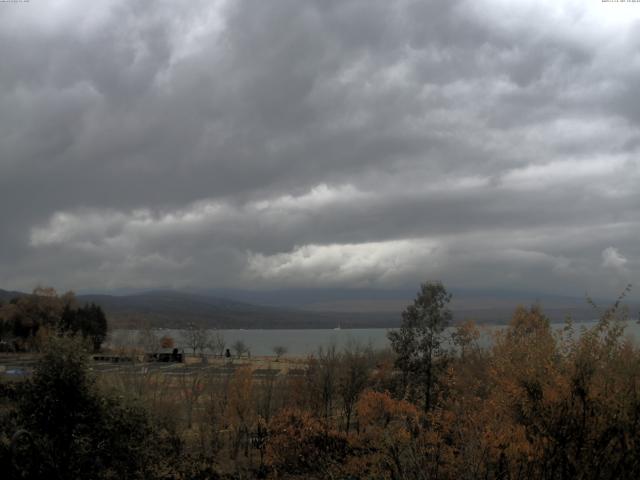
(364, 143)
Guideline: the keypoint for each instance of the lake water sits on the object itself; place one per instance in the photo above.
(304, 342)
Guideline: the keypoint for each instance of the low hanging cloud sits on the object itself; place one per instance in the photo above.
(215, 219)
(614, 260)
(349, 143)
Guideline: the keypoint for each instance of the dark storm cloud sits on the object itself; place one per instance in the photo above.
(321, 143)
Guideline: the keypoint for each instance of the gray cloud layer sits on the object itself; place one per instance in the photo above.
(347, 143)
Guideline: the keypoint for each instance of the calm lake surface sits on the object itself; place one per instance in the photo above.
(304, 342)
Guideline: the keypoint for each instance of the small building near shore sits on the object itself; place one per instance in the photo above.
(166, 355)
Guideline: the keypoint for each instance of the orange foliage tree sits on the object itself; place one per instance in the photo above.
(300, 444)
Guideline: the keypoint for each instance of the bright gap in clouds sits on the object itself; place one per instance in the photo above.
(597, 14)
(355, 265)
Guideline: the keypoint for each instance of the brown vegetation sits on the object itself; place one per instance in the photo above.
(537, 403)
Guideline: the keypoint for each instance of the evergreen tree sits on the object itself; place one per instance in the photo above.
(418, 342)
(68, 429)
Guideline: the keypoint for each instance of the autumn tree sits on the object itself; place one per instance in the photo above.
(240, 348)
(240, 408)
(418, 342)
(29, 313)
(191, 387)
(388, 429)
(354, 374)
(44, 313)
(167, 342)
(196, 337)
(217, 343)
(300, 445)
(322, 380)
(215, 403)
(465, 337)
(279, 351)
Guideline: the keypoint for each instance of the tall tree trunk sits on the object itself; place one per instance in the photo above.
(428, 383)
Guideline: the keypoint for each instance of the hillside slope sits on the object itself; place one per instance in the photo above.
(311, 309)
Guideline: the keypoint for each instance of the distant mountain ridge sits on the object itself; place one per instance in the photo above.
(171, 308)
(175, 309)
(482, 305)
(6, 295)
(311, 308)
